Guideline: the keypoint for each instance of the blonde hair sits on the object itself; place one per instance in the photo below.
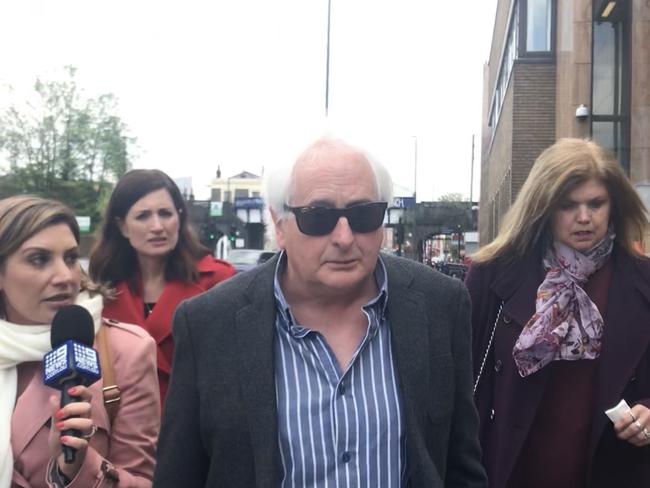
(24, 216)
(557, 171)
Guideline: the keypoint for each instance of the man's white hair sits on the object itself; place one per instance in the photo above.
(279, 187)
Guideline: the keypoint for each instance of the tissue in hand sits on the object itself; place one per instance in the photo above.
(618, 412)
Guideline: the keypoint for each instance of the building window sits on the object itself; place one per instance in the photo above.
(538, 25)
(611, 82)
(496, 215)
(530, 35)
(507, 63)
(537, 29)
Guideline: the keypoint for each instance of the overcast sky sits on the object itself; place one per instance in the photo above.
(241, 83)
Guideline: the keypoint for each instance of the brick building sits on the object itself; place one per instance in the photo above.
(550, 61)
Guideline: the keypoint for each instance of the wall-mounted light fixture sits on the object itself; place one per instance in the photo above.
(608, 9)
(582, 112)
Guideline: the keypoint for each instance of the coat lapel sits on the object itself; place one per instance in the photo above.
(255, 331)
(517, 287)
(158, 323)
(626, 336)
(130, 308)
(32, 411)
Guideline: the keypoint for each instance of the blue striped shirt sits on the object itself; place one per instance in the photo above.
(338, 428)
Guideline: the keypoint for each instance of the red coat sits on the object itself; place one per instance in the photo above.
(129, 307)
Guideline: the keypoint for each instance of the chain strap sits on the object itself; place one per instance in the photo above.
(487, 349)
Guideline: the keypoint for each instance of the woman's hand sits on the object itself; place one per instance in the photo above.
(635, 426)
(75, 416)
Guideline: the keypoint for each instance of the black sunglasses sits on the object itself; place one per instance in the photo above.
(320, 221)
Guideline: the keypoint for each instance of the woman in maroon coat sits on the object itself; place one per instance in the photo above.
(561, 327)
(149, 254)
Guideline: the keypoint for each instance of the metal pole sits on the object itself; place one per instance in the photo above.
(471, 176)
(327, 62)
(416, 242)
(415, 168)
(399, 244)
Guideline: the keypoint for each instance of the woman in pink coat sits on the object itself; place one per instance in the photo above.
(39, 274)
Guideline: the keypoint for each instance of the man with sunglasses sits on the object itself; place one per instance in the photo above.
(331, 364)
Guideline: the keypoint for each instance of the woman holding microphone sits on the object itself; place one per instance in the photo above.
(40, 274)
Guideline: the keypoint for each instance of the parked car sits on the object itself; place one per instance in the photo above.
(455, 270)
(245, 259)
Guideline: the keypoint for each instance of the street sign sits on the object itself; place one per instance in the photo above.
(84, 223)
(403, 202)
(216, 209)
(254, 202)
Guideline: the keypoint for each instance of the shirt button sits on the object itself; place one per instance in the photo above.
(342, 389)
(506, 319)
(498, 366)
(345, 457)
(633, 379)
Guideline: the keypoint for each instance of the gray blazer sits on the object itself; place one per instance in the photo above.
(220, 423)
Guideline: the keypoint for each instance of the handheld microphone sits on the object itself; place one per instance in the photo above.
(72, 360)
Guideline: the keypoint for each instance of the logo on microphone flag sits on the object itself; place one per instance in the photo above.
(71, 360)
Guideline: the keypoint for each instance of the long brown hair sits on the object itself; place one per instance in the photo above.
(24, 216)
(113, 259)
(557, 171)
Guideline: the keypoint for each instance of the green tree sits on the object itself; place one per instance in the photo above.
(64, 145)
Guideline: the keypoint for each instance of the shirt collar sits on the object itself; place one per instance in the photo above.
(380, 300)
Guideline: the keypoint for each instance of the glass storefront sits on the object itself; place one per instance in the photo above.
(611, 81)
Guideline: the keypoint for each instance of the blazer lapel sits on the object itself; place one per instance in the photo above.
(410, 332)
(414, 343)
(255, 331)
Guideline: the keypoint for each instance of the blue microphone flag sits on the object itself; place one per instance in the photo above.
(71, 360)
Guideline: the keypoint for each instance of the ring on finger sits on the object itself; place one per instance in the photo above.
(93, 430)
(646, 433)
(639, 426)
(632, 415)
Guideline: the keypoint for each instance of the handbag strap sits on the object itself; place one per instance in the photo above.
(487, 349)
(112, 393)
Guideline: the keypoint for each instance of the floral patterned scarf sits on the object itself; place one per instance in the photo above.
(566, 324)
